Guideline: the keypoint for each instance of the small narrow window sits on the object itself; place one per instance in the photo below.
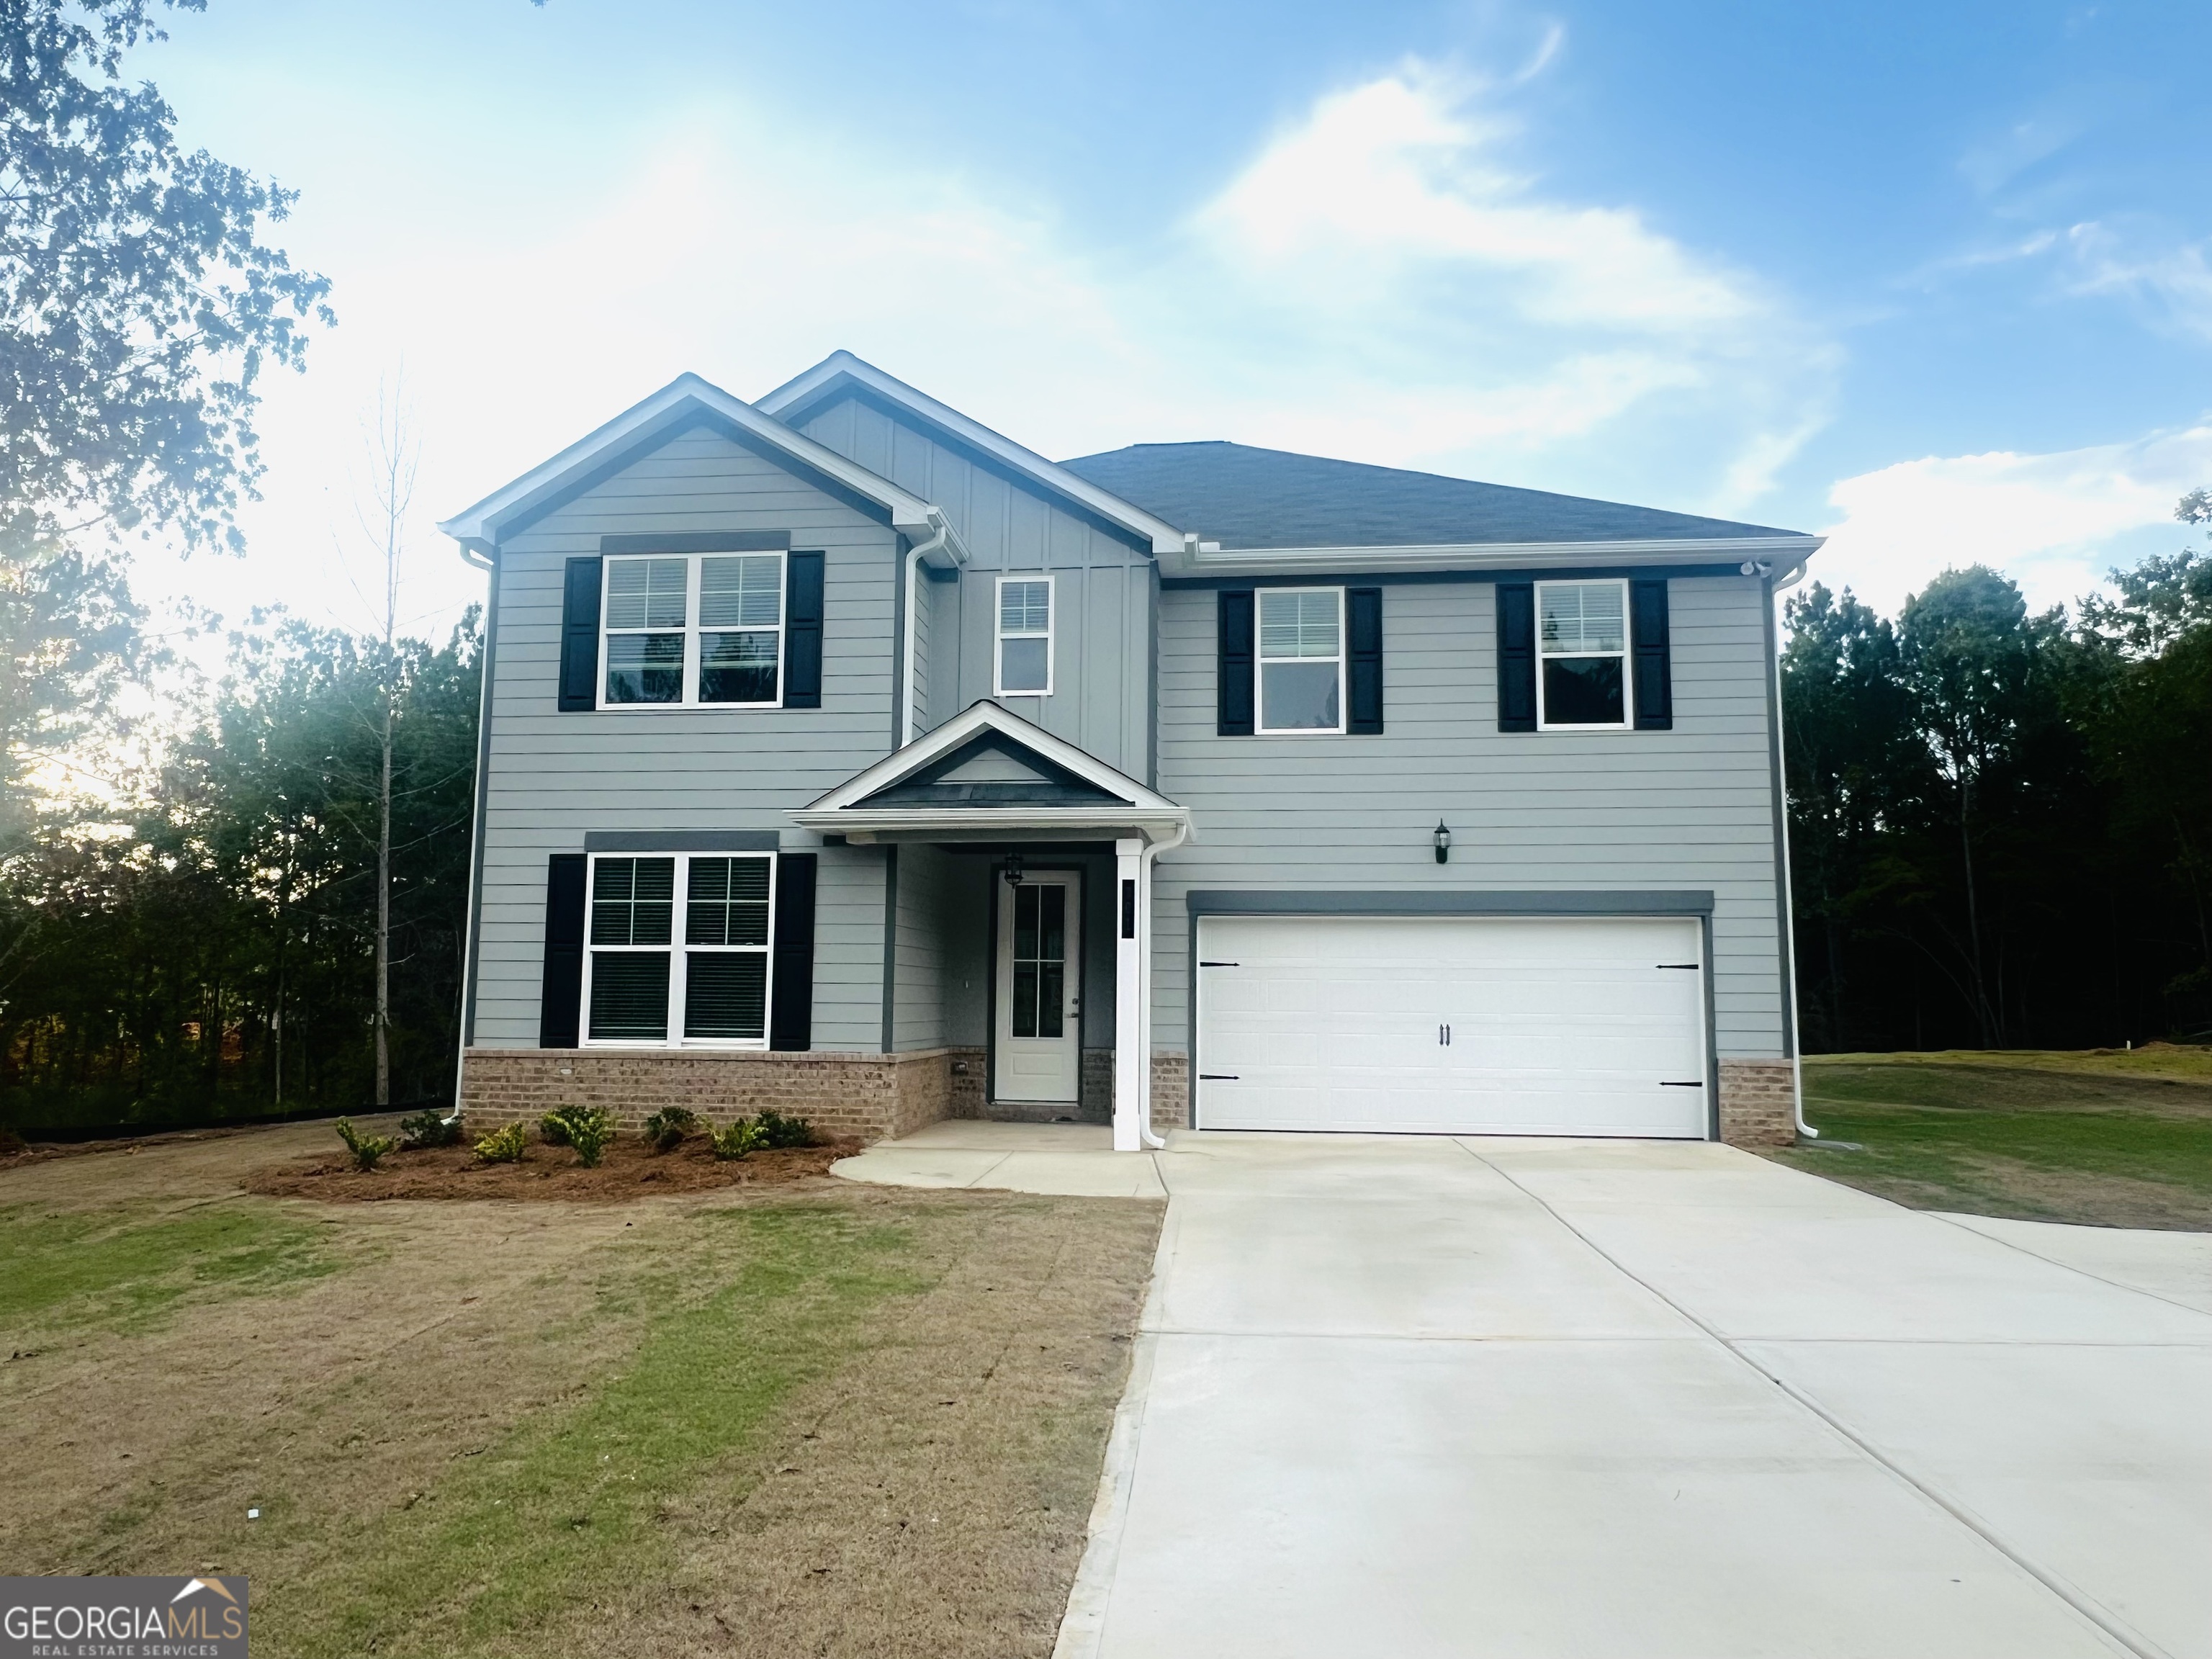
(679, 951)
(1582, 644)
(1301, 659)
(1024, 637)
(645, 611)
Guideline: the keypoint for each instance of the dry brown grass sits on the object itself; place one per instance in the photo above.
(911, 1474)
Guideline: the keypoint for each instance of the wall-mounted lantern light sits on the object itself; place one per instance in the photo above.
(1442, 840)
(1013, 872)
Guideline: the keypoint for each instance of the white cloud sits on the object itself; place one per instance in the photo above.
(2054, 522)
(2176, 281)
(1379, 282)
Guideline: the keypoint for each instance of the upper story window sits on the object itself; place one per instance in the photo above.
(1301, 659)
(699, 629)
(1024, 637)
(679, 950)
(1582, 644)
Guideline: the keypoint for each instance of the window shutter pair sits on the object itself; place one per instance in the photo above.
(1237, 662)
(1651, 656)
(561, 990)
(802, 634)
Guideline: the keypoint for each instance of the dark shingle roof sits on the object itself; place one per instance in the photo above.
(1240, 497)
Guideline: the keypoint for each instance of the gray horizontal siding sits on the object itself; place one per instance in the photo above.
(1686, 809)
(554, 777)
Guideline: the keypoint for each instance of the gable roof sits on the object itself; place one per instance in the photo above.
(1246, 499)
(986, 772)
(842, 373)
(686, 401)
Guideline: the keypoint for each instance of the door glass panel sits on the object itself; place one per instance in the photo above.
(1052, 959)
(1025, 996)
(1039, 992)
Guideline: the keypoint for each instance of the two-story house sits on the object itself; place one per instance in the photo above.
(843, 756)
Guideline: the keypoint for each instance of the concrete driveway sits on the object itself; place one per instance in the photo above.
(1419, 1396)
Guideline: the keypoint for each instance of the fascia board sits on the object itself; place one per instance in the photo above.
(990, 822)
(837, 804)
(1477, 556)
(1163, 535)
(479, 526)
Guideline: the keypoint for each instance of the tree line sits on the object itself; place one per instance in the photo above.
(2001, 821)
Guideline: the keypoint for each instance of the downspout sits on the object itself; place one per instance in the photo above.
(488, 564)
(1789, 897)
(919, 551)
(1152, 850)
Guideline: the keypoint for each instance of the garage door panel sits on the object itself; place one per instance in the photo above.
(1557, 1026)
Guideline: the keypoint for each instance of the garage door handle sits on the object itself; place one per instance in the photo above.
(1221, 964)
(1681, 1085)
(1692, 966)
(1218, 1077)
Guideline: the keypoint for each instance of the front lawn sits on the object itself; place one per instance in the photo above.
(2121, 1139)
(819, 1418)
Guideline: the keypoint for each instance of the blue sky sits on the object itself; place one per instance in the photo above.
(1935, 280)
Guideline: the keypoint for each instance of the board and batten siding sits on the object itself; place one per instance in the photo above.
(1103, 591)
(553, 777)
(1689, 809)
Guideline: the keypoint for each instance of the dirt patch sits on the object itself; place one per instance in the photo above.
(629, 1169)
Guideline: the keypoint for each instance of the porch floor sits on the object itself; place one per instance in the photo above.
(1076, 1160)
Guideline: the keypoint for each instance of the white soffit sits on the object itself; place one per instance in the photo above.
(1164, 536)
(479, 526)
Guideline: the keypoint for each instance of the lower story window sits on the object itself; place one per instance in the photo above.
(643, 986)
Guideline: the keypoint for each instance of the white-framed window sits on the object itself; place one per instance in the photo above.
(677, 950)
(692, 629)
(1025, 668)
(1300, 660)
(1581, 656)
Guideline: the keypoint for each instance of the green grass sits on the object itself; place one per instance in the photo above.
(122, 1270)
(2062, 1138)
(2177, 1062)
(566, 1506)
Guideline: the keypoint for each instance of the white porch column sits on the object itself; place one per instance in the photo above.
(1131, 1075)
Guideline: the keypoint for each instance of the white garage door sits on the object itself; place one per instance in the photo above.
(1567, 1026)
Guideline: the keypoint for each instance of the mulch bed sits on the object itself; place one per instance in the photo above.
(629, 1169)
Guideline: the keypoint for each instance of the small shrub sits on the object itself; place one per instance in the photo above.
(666, 1127)
(587, 1128)
(429, 1128)
(737, 1139)
(504, 1146)
(777, 1130)
(365, 1149)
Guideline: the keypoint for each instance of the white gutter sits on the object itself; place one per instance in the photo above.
(940, 534)
(1789, 894)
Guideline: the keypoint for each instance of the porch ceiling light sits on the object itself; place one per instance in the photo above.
(1013, 872)
(1442, 837)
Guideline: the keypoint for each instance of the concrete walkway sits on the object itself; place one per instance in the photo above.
(1419, 1396)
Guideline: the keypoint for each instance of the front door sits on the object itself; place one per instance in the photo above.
(1040, 1026)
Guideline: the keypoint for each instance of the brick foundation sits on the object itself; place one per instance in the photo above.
(1170, 1090)
(1757, 1102)
(874, 1097)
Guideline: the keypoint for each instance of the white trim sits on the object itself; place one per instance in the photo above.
(694, 663)
(678, 953)
(1194, 558)
(1163, 536)
(1626, 655)
(478, 527)
(1261, 660)
(831, 808)
(1000, 636)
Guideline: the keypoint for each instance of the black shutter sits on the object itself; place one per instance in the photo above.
(561, 992)
(1654, 671)
(1233, 667)
(580, 636)
(802, 634)
(1363, 627)
(1517, 656)
(791, 1015)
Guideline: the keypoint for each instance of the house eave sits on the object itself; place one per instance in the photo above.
(1187, 560)
(477, 528)
(996, 823)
